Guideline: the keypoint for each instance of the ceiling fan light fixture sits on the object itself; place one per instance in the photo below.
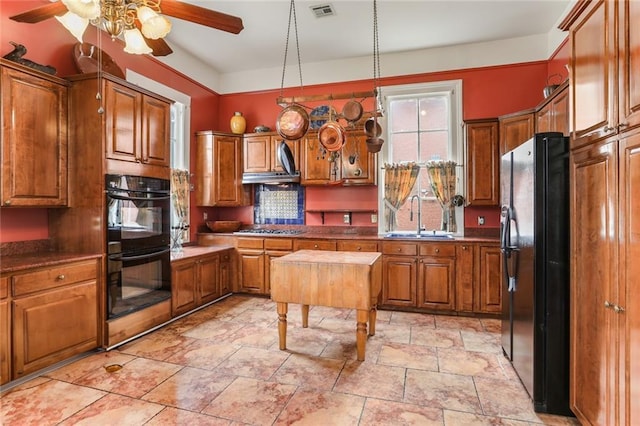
(75, 24)
(134, 42)
(88, 9)
(154, 26)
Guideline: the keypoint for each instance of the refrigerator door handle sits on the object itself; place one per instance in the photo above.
(512, 247)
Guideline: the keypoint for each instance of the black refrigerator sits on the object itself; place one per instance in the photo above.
(534, 239)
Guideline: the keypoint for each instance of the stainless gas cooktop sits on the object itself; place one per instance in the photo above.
(269, 231)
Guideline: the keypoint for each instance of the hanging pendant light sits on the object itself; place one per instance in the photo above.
(134, 42)
(75, 24)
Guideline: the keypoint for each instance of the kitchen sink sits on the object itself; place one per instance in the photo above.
(424, 235)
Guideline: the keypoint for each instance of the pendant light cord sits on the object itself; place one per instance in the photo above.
(376, 53)
(292, 14)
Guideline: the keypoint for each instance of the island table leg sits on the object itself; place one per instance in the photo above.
(305, 316)
(282, 308)
(362, 315)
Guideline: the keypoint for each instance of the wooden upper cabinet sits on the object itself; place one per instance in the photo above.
(352, 165)
(553, 116)
(483, 162)
(629, 65)
(260, 152)
(137, 126)
(515, 129)
(359, 166)
(592, 64)
(219, 170)
(132, 133)
(34, 138)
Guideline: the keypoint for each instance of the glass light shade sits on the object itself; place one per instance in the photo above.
(154, 26)
(74, 24)
(134, 42)
(88, 9)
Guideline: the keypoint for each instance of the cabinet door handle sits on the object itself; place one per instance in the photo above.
(7, 203)
(437, 250)
(608, 304)
(60, 277)
(315, 246)
(618, 309)
(608, 129)
(623, 125)
(464, 247)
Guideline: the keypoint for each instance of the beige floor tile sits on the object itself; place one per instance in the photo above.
(458, 418)
(458, 323)
(212, 330)
(190, 389)
(475, 341)
(410, 318)
(160, 345)
(378, 412)
(253, 362)
(505, 398)
(442, 390)
(409, 356)
(134, 379)
(50, 402)
(458, 361)
(203, 354)
(427, 336)
(251, 401)
(371, 380)
(310, 372)
(91, 364)
(175, 417)
(315, 408)
(115, 410)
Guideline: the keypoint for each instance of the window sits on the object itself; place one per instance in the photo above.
(423, 123)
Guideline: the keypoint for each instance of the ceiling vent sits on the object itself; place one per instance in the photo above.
(323, 10)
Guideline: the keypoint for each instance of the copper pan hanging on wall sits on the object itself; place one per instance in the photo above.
(292, 123)
(332, 136)
(352, 111)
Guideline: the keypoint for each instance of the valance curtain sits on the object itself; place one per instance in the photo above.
(442, 175)
(180, 199)
(399, 180)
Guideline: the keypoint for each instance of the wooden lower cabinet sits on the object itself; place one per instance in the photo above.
(459, 277)
(251, 264)
(465, 277)
(436, 276)
(311, 244)
(5, 332)
(198, 280)
(54, 315)
(356, 245)
(489, 281)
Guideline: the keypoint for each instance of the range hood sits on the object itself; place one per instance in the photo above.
(272, 178)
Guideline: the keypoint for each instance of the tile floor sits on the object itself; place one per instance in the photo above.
(222, 366)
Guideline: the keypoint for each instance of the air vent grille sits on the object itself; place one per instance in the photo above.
(323, 10)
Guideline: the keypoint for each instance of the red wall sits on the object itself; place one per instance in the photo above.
(487, 92)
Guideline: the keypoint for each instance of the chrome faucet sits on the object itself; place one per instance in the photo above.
(416, 196)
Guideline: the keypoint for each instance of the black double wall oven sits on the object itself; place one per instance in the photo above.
(138, 238)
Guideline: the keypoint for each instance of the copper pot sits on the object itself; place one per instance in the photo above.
(292, 123)
(352, 111)
(332, 136)
(371, 128)
(374, 144)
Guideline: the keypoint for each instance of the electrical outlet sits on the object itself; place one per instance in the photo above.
(374, 218)
(346, 218)
(480, 220)
(205, 216)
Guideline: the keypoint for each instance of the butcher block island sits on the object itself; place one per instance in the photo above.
(350, 280)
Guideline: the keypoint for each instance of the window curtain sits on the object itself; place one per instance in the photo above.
(399, 180)
(180, 198)
(442, 175)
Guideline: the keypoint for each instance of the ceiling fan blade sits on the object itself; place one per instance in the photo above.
(159, 47)
(200, 15)
(40, 13)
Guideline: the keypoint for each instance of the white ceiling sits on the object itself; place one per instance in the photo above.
(409, 27)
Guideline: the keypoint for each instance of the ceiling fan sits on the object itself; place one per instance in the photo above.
(174, 8)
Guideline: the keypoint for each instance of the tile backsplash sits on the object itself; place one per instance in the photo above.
(279, 204)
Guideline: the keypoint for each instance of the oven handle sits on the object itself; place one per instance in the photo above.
(126, 198)
(117, 257)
